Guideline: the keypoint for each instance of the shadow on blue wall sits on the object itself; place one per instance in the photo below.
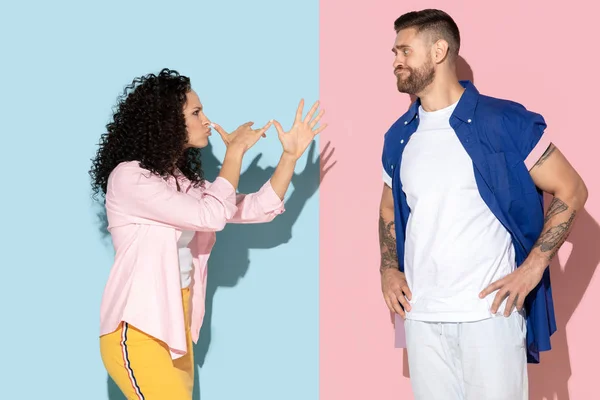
(227, 263)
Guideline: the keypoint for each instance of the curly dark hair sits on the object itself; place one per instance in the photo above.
(148, 125)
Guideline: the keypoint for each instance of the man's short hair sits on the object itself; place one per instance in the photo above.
(438, 23)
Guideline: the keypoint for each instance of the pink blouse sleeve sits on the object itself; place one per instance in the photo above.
(142, 195)
(258, 207)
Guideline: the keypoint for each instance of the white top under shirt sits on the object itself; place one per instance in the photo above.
(185, 258)
(455, 246)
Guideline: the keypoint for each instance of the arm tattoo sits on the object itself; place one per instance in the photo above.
(545, 156)
(556, 207)
(387, 241)
(554, 236)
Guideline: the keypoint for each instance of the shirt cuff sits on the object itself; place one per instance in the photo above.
(269, 200)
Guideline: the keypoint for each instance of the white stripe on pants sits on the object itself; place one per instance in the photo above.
(483, 360)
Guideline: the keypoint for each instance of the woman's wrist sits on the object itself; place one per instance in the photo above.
(235, 151)
(287, 157)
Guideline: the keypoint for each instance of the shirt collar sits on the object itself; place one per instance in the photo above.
(465, 109)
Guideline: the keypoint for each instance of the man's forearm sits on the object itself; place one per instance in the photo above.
(558, 222)
(387, 241)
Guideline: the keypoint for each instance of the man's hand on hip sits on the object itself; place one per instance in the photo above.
(395, 291)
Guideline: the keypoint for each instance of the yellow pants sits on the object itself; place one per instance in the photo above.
(142, 367)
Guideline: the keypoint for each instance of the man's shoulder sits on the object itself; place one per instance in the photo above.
(399, 122)
(399, 125)
(500, 118)
(393, 137)
(490, 107)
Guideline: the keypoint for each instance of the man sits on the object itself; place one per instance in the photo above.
(465, 245)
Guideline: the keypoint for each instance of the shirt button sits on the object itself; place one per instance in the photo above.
(405, 122)
(469, 120)
(402, 141)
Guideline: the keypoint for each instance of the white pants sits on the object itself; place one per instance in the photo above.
(483, 360)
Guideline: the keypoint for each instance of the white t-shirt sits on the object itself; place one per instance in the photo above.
(186, 265)
(455, 246)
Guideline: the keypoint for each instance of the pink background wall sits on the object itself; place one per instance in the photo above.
(538, 54)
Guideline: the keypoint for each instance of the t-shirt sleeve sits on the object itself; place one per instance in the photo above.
(387, 178)
(536, 153)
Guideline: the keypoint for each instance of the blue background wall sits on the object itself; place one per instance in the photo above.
(63, 66)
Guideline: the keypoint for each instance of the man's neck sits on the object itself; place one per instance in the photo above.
(441, 94)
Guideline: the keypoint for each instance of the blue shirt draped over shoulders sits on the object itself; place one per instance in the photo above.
(498, 135)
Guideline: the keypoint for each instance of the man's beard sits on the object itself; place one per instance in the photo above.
(418, 79)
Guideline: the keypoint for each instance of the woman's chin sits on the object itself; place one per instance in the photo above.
(199, 144)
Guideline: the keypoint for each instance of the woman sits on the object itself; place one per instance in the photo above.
(163, 217)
